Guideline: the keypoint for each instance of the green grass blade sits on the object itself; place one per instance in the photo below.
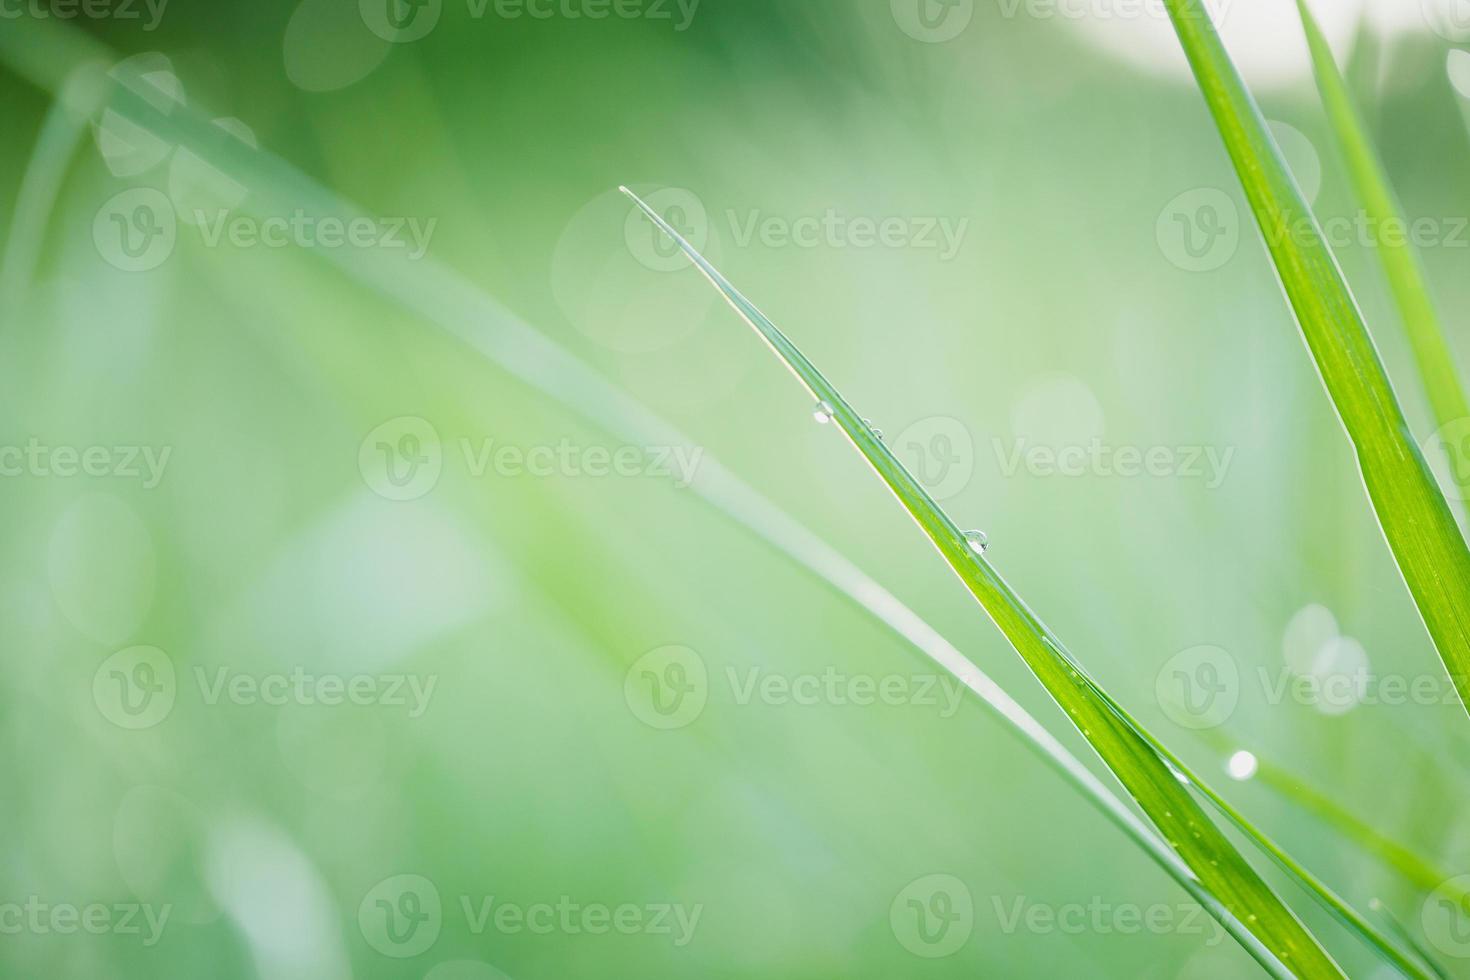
(1146, 776)
(46, 53)
(1414, 867)
(1398, 929)
(1416, 519)
(1401, 260)
(1354, 920)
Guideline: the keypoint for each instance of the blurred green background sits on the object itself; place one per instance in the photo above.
(248, 475)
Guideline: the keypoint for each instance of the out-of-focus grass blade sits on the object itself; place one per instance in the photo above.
(46, 53)
(1415, 868)
(1416, 519)
(1401, 260)
(1398, 929)
(1149, 780)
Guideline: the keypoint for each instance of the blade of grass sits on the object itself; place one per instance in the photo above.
(61, 133)
(433, 292)
(1401, 260)
(1415, 517)
(1398, 929)
(1416, 869)
(1146, 776)
(1356, 922)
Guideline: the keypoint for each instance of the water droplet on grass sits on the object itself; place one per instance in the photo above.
(979, 543)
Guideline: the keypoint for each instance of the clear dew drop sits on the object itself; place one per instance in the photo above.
(877, 432)
(978, 541)
(823, 412)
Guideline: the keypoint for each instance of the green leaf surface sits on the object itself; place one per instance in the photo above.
(1416, 519)
(1401, 260)
(1153, 784)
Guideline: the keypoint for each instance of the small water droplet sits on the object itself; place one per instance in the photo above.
(978, 541)
(824, 412)
(877, 432)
